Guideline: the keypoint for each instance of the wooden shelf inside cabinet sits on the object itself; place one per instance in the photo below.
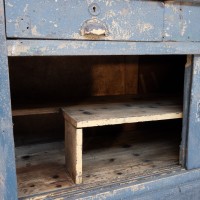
(35, 111)
(90, 115)
(42, 108)
(100, 114)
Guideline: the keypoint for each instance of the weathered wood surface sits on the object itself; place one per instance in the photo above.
(179, 185)
(112, 75)
(8, 188)
(61, 48)
(120, 113)
(193, 143)
(41, 168)
(73, 152)
(182, 185)
(124, 20)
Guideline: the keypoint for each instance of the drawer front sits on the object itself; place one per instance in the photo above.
(182, 22)
(88, 19)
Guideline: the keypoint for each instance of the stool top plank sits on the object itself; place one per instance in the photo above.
(101, 114)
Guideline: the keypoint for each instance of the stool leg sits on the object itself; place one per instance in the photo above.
(73, 151)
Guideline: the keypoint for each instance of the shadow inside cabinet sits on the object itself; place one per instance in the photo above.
(42, 86)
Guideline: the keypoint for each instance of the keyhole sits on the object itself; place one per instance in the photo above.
(94, 9)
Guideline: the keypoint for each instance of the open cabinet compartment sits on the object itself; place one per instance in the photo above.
(139, 146)
(94, 115)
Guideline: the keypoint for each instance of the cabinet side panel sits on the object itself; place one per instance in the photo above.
(193, 147)
(8, 188)
(186, 104)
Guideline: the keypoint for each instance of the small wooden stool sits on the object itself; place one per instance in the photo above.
(91, 115)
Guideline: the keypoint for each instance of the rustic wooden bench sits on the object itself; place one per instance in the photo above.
(82, 116)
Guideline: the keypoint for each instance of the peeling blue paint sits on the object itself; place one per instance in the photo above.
(8, 188)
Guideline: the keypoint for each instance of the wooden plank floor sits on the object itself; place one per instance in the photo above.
(41, 167)
(90, 115)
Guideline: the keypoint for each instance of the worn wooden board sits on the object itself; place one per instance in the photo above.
(102, 114)
(73, 152)
(61, 48)
(113, 75)
(35, 111)
(131, 71)
(123, 20)
(38, 172)
(40, 168)
(180, 185)
(8, 186)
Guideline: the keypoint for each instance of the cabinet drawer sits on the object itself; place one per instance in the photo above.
(85, 20)
(181, 22)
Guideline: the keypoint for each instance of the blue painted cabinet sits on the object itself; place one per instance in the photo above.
(116, 20)
(193, 146)
(181, 22)
(106, 27)
(8, 184)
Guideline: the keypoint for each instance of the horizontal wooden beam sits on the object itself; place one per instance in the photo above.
(71, 48)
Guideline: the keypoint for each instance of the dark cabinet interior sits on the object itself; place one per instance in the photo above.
(42, 86)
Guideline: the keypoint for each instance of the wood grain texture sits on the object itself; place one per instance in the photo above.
(73, 152)
(114, 75)
(131, 69)
(180, 185)
(41, 167)
(120, 113)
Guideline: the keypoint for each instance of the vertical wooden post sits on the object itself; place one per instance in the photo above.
(8, 184)
(193, 141)
(73, 151)
(186, 104)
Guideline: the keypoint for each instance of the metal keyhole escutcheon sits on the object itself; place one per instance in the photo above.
(94, 9)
